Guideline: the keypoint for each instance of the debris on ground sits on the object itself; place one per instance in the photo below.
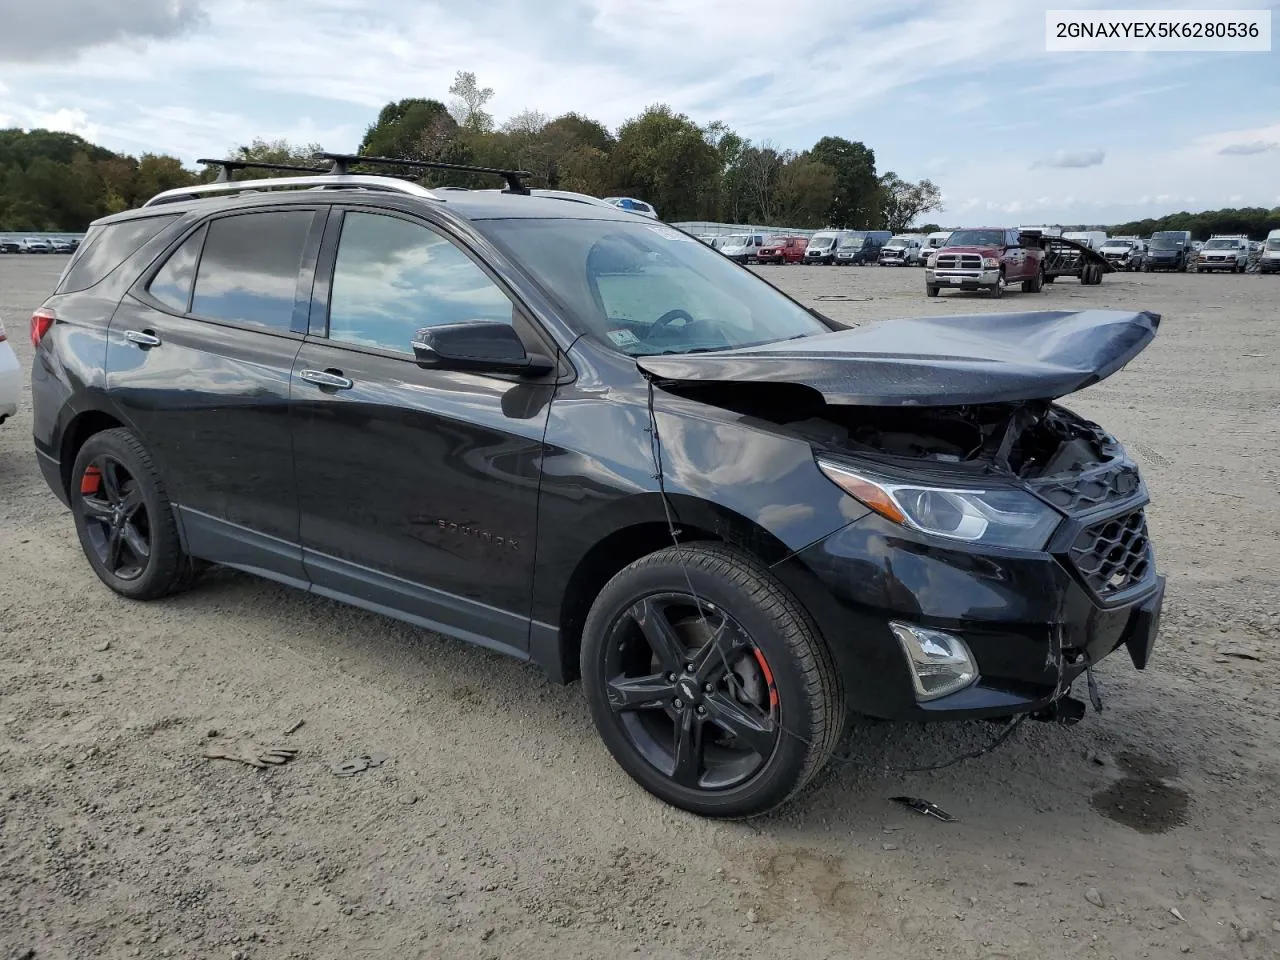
(366, 761)
(1177, 914)
(294, 727)
(1094, 897)
(252, 754)
(925, 808)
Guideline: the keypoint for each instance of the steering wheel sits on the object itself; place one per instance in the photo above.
(665, 320)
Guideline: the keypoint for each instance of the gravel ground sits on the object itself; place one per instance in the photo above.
(499, 827)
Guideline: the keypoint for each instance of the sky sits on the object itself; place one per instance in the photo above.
(964, 94)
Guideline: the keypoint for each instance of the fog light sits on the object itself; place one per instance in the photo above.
(940, 662)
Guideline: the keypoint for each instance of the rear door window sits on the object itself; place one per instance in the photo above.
(172, 284)
(249, 269)
(106, 246)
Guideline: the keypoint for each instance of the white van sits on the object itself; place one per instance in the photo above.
(1093, 239)
(933, 243)
(743, 248)
(1270, 261)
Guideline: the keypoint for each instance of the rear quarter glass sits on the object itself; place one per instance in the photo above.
(106, 247)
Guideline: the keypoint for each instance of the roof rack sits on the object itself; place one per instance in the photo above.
(342, 165)
(227, 167)
(322, 181)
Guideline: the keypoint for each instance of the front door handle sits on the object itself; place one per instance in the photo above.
(142, 338)
(327, 378)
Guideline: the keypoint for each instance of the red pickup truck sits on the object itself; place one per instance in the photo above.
(782, 250)
(988, 258)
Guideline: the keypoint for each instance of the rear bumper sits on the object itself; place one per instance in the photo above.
(1030, 622)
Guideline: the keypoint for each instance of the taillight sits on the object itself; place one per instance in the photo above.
(41, 321)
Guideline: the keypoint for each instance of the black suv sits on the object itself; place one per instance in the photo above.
(581, 437)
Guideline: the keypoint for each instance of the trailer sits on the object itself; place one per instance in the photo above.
(1067, 258)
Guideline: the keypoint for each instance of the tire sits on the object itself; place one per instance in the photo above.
(1146, 268)
(1035, 284)
(116, 458)
(997, 291)
(798, 708)
(1049, 278)
(931, 289)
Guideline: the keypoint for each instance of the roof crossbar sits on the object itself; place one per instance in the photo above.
(227, 167)
(342, 165)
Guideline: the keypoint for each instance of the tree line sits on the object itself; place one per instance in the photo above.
(59, 181)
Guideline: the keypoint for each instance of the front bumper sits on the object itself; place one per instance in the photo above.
(1232, 264)
(1030, 620)
(960, 279)
(10, 381)
(1269, 265)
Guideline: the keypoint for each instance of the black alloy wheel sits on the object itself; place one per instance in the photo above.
(692, 693)
(709, 682)
(117, 525)
(125, 520)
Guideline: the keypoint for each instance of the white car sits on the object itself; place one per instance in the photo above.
(634, 206)
(10, 378)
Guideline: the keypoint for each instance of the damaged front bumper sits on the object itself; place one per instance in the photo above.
(1033, 621)
(961, 279)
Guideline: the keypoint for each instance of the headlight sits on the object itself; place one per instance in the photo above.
(999, 518)
(991, 263)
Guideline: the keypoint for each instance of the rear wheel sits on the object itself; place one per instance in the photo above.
(709, 683)
(1036, 283)
(124, 518)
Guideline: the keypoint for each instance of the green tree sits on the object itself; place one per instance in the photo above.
(806, 190)
(469, 99)
(901, 201)
(856, 202)
(412, 129)
(663, 158)
(156, 173)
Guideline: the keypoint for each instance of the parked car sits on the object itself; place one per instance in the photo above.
(1169, 250)
(988, 258)
(11, 245)
(743, 248)
(1223, 253)
(37, 245)
(62, 245)
(10, 377)
(633, 205)
(782, 250)
(1269, 262)
(490, 414)
(901, 251)
(933, 243)
(860, 247)
(1093, 239)
(1124, 253)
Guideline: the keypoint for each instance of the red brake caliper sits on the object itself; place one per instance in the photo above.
(768, 678)
(91, 482)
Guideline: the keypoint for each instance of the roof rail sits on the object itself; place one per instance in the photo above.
(227, 167)
(342, 165)
(317, 182)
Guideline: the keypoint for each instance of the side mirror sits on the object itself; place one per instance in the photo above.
(482, 345)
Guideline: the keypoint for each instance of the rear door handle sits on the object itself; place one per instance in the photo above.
(142, 338)
(327, 378)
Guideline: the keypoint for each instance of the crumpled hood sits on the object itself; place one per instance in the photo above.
(934, 361)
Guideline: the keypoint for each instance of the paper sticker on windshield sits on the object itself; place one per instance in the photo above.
(668, 234)
(623, 338)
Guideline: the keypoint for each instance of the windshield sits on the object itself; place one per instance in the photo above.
(935, 243)
(976, 238)
(1273, 243)
(1222, 244)
(853, 239)
(1164, 243)
(1118, 243)
(645, 288)
(822, 241)
(730, 241)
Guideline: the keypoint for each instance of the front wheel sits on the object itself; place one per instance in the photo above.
(997, 291)
(124, 518)
(931, 289)
(709, 683)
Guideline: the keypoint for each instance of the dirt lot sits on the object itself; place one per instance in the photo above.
(499, 827)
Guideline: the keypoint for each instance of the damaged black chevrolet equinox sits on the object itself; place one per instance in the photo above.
(583, 438)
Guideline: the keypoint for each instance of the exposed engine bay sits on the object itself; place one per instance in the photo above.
(1028, 439)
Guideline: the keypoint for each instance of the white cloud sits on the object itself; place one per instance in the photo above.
(1073, 158)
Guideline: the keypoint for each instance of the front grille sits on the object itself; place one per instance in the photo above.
(958, 261)
(1092, 488)
(1113, 555)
